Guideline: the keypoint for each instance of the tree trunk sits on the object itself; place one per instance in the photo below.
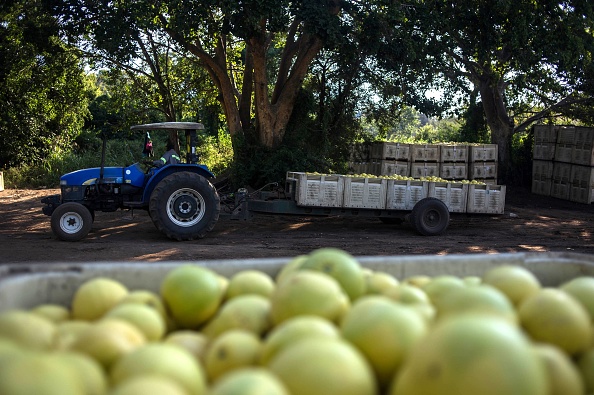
(499, 122)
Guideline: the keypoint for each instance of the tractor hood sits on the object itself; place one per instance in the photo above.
(112, 175)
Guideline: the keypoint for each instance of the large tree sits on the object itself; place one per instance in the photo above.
(42, 92)
(526, 59)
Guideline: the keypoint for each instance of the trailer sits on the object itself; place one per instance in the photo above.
(426, 205)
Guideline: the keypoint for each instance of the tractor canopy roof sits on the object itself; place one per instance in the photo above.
(169, 125)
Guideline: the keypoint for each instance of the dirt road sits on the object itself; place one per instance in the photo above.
(531, 223)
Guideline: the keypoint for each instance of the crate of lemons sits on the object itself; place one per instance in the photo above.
(323, 325)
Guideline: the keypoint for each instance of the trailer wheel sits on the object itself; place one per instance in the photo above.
(430, 217)
(71, 221)
(184, 206)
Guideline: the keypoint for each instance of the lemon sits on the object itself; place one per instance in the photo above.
(552, 316)
(516, 282)
(340, 265)
(440, 286)
(27, 329)
(164, 360)
(477, 298)
(53, 312)
(384, 332)
(294, 329)
(407, 294)
(564, 377)
(250, 282)
(379, 283)
(232, 350)
(36, 373)
(149, 384)
(322, 366)
(89, 371)
(67, 332)
(249, 312)
(586, 367)
(472, 354)
(249, 381)
(192, 294)
(145, 318)
(582, 288)
(95, 297)
(289, 268)
(417, 280)
(108, 340)
(308, 293)
(193, 342)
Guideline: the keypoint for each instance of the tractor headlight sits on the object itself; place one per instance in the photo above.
(63, 182)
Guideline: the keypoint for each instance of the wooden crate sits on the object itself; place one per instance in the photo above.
(545, 133)
(404, 194)
(486, 199)
(566, 135)
(453, 153)
(453, 194)
(394, 167)
(364, 192)
(424, 169)
(453, 171)
(389, 150)
(544, 151)
(425, 152)
(483, 153)
(478, 170)
(318, 190)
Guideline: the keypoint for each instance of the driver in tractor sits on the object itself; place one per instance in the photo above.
(169, 158)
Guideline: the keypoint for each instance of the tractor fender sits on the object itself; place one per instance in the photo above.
(165, 171)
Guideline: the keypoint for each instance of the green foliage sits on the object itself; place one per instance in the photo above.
(42, 91)
(216, 153)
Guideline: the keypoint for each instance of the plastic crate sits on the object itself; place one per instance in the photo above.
(404, 194)
(388, 150)
(486, 199)
(425, 152)
(564, 152)
(566, 135)
(453, 171)
(453, 153)
(394, 167)
(478, 170)
(24, 286)
(454, 195)
(545, 133)
(318, 189)
(581, 184)
(582, 155)
(483, 153)
(364, 192)
(424, 169)
(544, 151)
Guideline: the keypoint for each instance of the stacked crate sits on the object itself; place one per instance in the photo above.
(424, 160)
(563, 162)
(390, 158)
(453, 162)
(482, 163)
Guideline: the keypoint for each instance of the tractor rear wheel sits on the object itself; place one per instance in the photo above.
(430, 217)
(184, 206)
(71, 221)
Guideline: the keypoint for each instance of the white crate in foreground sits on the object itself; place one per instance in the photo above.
(365, 192)
(486, 199)
(24, 286)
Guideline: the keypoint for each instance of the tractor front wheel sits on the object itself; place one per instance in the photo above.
(184, 206)
(71, 221)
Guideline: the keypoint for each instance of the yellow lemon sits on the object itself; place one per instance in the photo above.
(516, 282)
(232, 350)
(95, 297)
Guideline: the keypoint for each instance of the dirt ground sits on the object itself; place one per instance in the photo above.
(530, 223)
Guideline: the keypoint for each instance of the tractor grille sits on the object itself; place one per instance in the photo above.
(73, 193)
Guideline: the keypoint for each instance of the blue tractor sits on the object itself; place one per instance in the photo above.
(180, 198)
